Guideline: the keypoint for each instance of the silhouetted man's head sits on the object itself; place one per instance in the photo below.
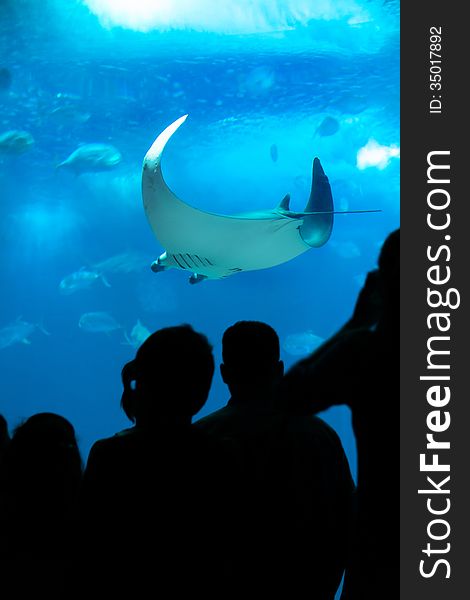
(170, 376)
(251, 359)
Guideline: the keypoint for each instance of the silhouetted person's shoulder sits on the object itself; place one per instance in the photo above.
(211, 422)
(310, 440)
(111, 447)
(106, 457)
(238, 418)
(164, 444)
(133, 458)
(316, 432)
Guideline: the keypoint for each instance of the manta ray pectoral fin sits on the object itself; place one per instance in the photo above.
(316, 229)
(155, 151)
(196, 278)
(320, 194)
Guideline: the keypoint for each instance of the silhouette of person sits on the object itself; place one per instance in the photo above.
(4, 441)
(4, 436)
(39, 489)
(359, 367)
(153, 492)
(295, 487)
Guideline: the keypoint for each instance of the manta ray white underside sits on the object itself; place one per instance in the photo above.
(212, 246)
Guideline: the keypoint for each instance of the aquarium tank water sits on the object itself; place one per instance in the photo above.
(85, 88)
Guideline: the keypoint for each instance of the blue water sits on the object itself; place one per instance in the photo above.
(263, 77)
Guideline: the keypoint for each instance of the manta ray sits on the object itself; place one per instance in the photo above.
(213, 246)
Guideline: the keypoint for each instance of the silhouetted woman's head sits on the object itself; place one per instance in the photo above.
(170, 376)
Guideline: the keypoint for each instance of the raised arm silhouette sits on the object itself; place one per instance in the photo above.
(359, 367)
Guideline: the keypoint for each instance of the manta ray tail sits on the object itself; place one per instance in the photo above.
(316, 229)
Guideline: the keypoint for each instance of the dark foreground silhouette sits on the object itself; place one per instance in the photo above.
(153, 494)
(359, 367)
(4, 436)
(39, 484)
(252, 501)
(296, 488)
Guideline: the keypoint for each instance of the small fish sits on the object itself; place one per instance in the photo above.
(92, 158)
(301, 344)
(138, 335)
(98, 322)
(274, 152)
(80, 280)
(16, 142)
(329, 126)
(18, 332)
